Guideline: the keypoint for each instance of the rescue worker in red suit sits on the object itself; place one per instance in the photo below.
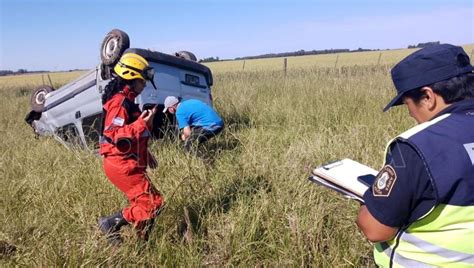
(124, 147)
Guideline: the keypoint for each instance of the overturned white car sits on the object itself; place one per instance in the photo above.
(72, 113)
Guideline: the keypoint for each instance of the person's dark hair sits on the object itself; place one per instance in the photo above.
(451, 90)
(114, 86)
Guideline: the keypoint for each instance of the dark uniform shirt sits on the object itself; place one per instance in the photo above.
(412, 195)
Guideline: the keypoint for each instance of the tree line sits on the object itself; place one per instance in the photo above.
(302, 52)
(422, 45)
(25, 71)
(9, 72)
(19, 71)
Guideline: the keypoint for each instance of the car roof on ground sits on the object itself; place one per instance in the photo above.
(158, 57)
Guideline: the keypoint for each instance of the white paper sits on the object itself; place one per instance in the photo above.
(336, 188)
(342, 176)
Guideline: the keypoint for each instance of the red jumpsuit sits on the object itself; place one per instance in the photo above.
(124, 147)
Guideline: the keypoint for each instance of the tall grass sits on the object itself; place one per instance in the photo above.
(247, 202)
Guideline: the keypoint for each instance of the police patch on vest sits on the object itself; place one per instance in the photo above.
(384, 181)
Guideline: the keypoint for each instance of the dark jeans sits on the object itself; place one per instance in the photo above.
(200, 135)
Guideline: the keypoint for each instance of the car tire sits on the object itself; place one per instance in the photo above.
(38, 98)
(186, 55)
(113, 45)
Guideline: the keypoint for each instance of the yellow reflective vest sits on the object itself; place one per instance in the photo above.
(444, 236)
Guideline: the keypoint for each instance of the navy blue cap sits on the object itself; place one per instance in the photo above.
(427, 66)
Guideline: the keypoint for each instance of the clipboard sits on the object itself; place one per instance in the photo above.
(344, 176)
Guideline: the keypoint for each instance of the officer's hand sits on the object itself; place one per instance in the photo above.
(148, 116)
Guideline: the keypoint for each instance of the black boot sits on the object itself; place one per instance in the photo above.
(111, 225)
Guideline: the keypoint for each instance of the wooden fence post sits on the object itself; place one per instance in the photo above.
(337, 59)
(285, 65)
(380, 56)
(243, 66)
(50, 82)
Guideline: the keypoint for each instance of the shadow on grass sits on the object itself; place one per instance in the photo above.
(237, 121)
(191, 222)
(6, 249)
(211, 150)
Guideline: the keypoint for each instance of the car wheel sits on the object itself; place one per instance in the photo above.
(113, 45)
(186, 55)
(38, 98)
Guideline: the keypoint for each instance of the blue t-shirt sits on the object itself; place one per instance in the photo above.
(196, 113)
(412, 195)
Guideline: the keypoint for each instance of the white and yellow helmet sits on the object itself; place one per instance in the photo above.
(133, 66)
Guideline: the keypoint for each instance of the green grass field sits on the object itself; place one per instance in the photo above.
(248, 204)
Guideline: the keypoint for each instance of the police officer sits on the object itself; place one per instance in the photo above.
(420, 209)
(124, 147)
(197, 121)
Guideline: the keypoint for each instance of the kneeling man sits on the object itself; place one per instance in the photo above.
(197, 121)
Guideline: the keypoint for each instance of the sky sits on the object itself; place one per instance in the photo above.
(60, 35)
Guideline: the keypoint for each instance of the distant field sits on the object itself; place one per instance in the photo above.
(34, 80)
(387, 57)
(247, 203)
